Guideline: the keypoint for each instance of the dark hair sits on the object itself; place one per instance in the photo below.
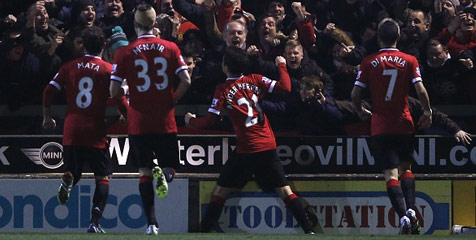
(93, 39)
(312, 82)
(236, 60)
(388, 31)
(434, 42)
(268, 15)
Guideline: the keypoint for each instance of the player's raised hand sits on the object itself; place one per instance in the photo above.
(189, 116)
(280, 59)
(49, 122)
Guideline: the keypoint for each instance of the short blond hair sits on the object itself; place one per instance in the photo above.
(145, 16)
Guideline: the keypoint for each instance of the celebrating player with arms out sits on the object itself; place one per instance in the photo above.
(389, 74)
(86, 81)
(255, 152)
(150, 64)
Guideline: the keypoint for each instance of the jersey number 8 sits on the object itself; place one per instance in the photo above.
(84, 97)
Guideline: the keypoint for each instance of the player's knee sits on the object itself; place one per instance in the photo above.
(76, 178)
(222, 192)
(405, 166)
(100, 178)
(284, 191)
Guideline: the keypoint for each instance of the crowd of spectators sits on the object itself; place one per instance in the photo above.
(324, 39)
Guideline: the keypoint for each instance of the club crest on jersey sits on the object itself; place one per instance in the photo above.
(266, 80)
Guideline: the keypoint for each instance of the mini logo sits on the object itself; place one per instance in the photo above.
(50, 155)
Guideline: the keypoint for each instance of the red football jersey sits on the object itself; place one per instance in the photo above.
(149, 65)
(86, 81)
(240, 97)
(389, 75)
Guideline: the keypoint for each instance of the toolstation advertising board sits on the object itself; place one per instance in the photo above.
(341, 207)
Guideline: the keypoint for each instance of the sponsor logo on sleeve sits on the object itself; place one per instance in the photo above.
(214, 102)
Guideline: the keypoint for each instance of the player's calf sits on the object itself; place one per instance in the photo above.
(65, 188)
(162, 187)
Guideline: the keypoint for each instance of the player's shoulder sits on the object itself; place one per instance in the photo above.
(369, 58)
(105, 63)
(405, 55)
(254, 77)
(105, 66)
(172, 46)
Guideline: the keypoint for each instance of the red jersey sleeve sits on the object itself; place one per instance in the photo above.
(306, 33)
(178, 63)
(415, 68)
(118, 71)
(362, 80)
(218, 101)
(58, 82)
(284, 83)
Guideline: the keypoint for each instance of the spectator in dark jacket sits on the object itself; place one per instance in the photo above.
(445, 77)
(415, 34)
(318, 114)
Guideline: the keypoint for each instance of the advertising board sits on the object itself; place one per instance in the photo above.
(342, 207)
(30, 205)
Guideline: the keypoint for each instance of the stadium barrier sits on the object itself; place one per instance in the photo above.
(335, 175)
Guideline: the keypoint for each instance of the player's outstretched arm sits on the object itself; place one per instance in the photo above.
(183, 86)
(426, 119)
(356, 96)
(189, 116)
(284, 83)
(48, 95)
(115, 89)
(206, 121)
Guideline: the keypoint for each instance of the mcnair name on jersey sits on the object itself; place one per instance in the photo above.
(148, 47)
(389, 58)
(89, 65)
